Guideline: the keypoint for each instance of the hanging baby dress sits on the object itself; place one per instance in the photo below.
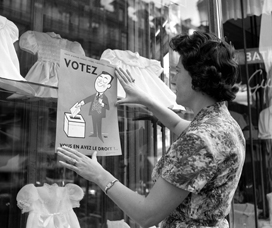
(146, 73)
(10, 77)
(47, 47)
(50, 206)
(265, 123)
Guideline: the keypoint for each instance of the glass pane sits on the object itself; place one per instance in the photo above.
(251, 108)
(29, 87)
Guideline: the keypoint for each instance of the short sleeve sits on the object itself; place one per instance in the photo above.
(75, 193)
(109, 56)
(10, 29)
(13, 31)
(28, 42)
(154, 66)
(77, 48)
(189, 164)
(26, 196)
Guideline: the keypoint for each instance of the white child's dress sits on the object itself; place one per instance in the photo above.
(9, 63)
(146, 73)
(265, 123)
(50, 206)
(47, 47)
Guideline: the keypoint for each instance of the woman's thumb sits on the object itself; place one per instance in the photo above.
(122, 101)
(94, 156)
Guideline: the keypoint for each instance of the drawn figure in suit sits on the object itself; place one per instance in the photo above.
(99, 103)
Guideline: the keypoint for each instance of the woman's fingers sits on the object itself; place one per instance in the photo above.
(127, 82)
(127, 75)
(88, 168)
(68, 157)
(73, 151)
(70, 152)
(124, 76)
(68, 166)
(94, 156)
(74, 157)
(69, 160)
(120, 77)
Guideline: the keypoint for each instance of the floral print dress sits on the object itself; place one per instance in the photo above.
(206, 160)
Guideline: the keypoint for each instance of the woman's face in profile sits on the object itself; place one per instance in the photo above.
(182, 84)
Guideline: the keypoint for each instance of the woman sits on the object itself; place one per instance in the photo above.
(196, 179)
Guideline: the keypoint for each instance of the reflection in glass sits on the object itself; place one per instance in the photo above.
(28, 122)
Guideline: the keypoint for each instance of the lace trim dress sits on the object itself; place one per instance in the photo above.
(50, 206)
(146, 73)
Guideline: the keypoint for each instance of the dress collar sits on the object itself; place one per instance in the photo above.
(54, 35)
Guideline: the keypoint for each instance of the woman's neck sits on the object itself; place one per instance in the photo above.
(201, 102)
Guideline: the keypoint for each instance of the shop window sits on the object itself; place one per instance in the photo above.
(246, 30)
(28, 122)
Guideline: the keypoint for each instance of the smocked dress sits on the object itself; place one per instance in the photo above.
(47, 47)
(206, 160)
(146, 73)
(9, 63)
(50, 206)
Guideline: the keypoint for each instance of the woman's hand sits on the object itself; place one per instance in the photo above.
(88, 168)
(133, 93)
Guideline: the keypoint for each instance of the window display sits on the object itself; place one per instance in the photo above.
(253, 47)
(50, 206)
(28, 98)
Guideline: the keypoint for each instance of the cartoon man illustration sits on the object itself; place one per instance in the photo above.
(99, 103)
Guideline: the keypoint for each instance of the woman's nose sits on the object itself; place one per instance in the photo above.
(173, 80)
(173, 86)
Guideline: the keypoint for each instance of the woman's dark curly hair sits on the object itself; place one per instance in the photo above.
(210, 62)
